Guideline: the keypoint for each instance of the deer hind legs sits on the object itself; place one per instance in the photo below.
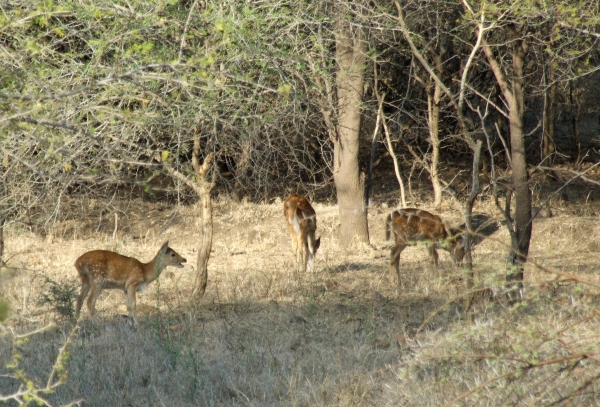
(85, 289)
(91, 302)
(301, 258)
(395, 261)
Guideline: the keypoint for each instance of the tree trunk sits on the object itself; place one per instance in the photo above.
(512, 89)
(549, 117)
(203, 188)
(2, 221)
(468, 235)
(434, 137)
(350, 54)
(575, 113)
(206, 223)
(205, 246)
(520, 176)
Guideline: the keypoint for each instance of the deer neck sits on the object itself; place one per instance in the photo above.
(153, 269)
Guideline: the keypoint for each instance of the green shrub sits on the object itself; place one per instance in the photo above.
(4, 309)
(60, 296)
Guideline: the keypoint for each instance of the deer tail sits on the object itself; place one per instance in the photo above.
(296, 223)
(388, 227)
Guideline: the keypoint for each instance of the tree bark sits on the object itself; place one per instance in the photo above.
(203, 188)
(468, 235)
(575, 114)
(520, 176)
(434, 135)
(549, 116)
(206, 223)
(2, 221)
(350, 55)
(388, 139)
(512, 89)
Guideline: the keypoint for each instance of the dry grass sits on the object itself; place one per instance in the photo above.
(345, 335)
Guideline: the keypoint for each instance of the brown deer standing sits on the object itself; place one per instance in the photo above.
(412, 225)
(302, 224)
(100, 269)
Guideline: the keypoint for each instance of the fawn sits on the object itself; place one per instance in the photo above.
(412, 225)
(100, 269)
(302, 224)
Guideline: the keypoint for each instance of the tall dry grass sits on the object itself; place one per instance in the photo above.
(345, 335)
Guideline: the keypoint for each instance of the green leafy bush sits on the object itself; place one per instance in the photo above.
(60, 296)
(4, 309)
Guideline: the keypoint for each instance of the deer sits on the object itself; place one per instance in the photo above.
(302, 225)
(411, 225)
(102, 269)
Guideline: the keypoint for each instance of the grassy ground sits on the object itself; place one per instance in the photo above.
(345, 335)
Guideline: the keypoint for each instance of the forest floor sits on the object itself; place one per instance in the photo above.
(345, 335)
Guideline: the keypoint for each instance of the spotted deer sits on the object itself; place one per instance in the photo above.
(102, 269)
(410, 226)
(302, 224)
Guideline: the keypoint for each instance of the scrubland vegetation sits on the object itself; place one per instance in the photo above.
(344, 335)
(124, 124)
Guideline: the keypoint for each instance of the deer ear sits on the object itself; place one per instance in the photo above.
(164, 247)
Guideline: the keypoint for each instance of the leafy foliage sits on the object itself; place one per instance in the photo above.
(59, 296)
(4, 309)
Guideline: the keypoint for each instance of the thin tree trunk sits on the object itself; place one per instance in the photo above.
(202, 187)
(396, 164)
(369, 185)
(549, 117)
(520, 176)
(380, 114)
(468, 236)
(575, 113)
(434, 139)
(205, 246)
(512, 90)
(206, 221)
(2, 222)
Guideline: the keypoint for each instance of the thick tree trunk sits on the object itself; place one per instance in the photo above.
(350, 54)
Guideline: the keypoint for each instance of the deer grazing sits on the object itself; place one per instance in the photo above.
(302, 224)
(101, 269)
(414, 225)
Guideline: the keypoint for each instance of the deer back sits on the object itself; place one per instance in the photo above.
(299, 214)
(412, 224)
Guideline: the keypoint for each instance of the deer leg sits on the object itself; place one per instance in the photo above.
(295, 245)
(85, 289)
(433, 255)
(130, 299)
(302, 254)
(294, 239)
(309, 254)
(91, 302)
(395, 260)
